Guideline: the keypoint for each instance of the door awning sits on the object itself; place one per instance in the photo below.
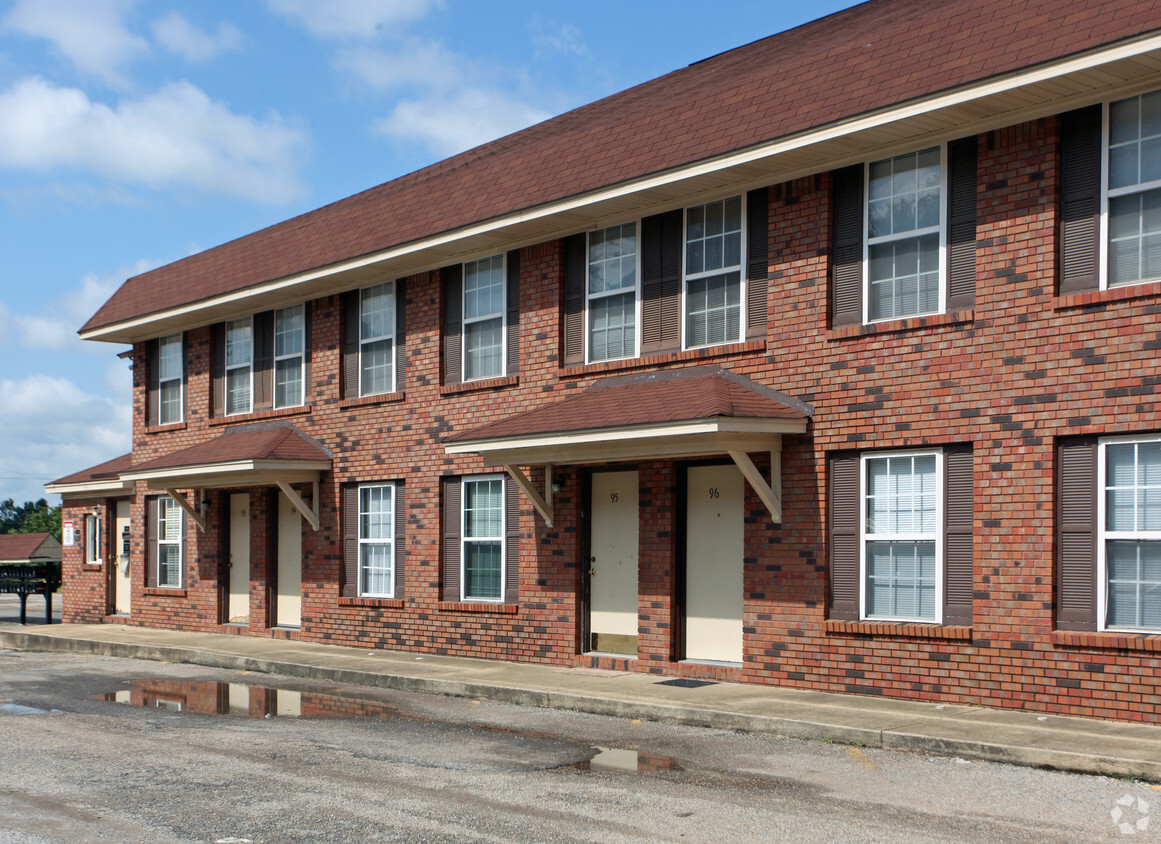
(680, 414)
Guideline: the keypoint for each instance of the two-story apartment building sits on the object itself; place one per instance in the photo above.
(827, 362)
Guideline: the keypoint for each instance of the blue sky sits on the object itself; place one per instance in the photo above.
(136, 132)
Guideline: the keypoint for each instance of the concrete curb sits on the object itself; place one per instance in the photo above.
(692, 716)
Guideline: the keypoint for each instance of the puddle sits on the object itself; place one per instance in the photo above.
(241, 700)
(630, 761)
(20, 709)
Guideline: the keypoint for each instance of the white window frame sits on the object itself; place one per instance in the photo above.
(465, 321)
(162, 342)
(166, 503)
(300, 355)
(92, 539)
(636, 289)
(378, 338)
(686, 277)
(366, 541)
(938, 537)
(464, 539)
(868, 241)
(248, 366)
(1104, 535)
(1107, 193)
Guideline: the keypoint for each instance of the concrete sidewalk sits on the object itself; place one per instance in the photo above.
(1022, 738)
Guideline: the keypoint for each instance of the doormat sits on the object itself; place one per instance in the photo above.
(686, 683)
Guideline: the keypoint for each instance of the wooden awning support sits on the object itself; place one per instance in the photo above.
(308, 513)
(770, 493)
(543, 507)
(198, 518)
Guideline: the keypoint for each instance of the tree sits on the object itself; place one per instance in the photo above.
(29, 517)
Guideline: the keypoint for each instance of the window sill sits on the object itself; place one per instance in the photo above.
(751, 347)
(164, 429)
(163, 591)
(91, 566)
(1119, 641)
(379, 603)
(482, 384)
(910, 629)
(1101, 297)
(501, 609)
(301, 410)
(380, 398)
(892, 326)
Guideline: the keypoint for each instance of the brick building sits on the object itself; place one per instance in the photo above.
(827, 362)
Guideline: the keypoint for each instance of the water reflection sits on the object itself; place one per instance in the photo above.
(633, 761)
(242, 700)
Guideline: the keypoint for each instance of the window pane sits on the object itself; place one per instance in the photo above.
(376, 512)
(1134, 584)
(1134, 238)
(484, 287)
(483, 352)
(377, 369)
(288, 331)
(288, 382)
(612, 327)
(169, 402)
(904, 277)
(483, 509)
(168, 565)
(377, 312)
(377, 569)
(901, 579)
(482, 569)
(713, 310)
(901, 495)
(903, 193)
(170, 358)
(169, 520)
(613, 258)
(238, 391)
(238, 342)
(713, 236)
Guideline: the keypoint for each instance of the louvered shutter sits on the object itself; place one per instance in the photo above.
(1076, 520)
(958, 516)
(151, 542)
(961, 231)
(844, 537)
(511, 541)
(661, 245)
(262, 332)
(153, 368)
(1080, 184)
(400, 336)
(219, 354)
(350, 541)
(757, 262)
(350, 304)
(847, 248)
(452, 491)
(575, 254)
(513, 326)
(453, 311)
(400, 549)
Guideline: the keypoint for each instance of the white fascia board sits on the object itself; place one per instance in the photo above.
(91, 488)
(849, 126)
(209, 470)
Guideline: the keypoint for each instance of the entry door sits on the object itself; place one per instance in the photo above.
(121, 578)
(713, 564)
(613, 567)
(238, 609)
(288, 588)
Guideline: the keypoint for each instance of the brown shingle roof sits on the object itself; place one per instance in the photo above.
(649, 399)
(868, 57)
(108, 470)
(259, 442)
(18, 547)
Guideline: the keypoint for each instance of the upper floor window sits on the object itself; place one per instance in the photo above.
(483, 310)
(289, 355)
(377, 339)
(611, 311)
(1129, 546)
(170, 377)
(1133, 190)
(713, 273)
(239, 357)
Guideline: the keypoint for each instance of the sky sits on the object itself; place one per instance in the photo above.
(134, 133)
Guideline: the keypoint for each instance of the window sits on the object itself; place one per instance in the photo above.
(170, 375)
(1129, 534)
(169, 517)
(901, 536)
(483, 539)
(239, 351)
(483, 310)
(713, 273)
(289, 355)
(377, 339)
(612, 293)
(377, 540)
(1133, 191)
(92, 539)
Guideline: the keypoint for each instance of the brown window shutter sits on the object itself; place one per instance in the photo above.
(757, 262)
(185, 567)
(453, 312)
(575, 266)
(847, 252)
(219, 354)
(844, 537)
(262, 334)
(961, 223)
(350, 541)
(662, 241)
(452, 490)
(958, 516)
(1076, 534)
(153, 400)
(511, 542)
(513, 326)
(151, 542)
(400, 539)
(350, 305)
(1080, 185)
(400, 336)
(307, 383)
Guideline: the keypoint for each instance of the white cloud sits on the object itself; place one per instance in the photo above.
(352, 18)
(176, 136)
(414, 62)
(451, 124)
(562, 38)
(174, 32)
(89, 33)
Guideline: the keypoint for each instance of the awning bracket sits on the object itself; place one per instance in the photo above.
(308, 513)
(542, 507)
(770, 493)
(198, 518)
